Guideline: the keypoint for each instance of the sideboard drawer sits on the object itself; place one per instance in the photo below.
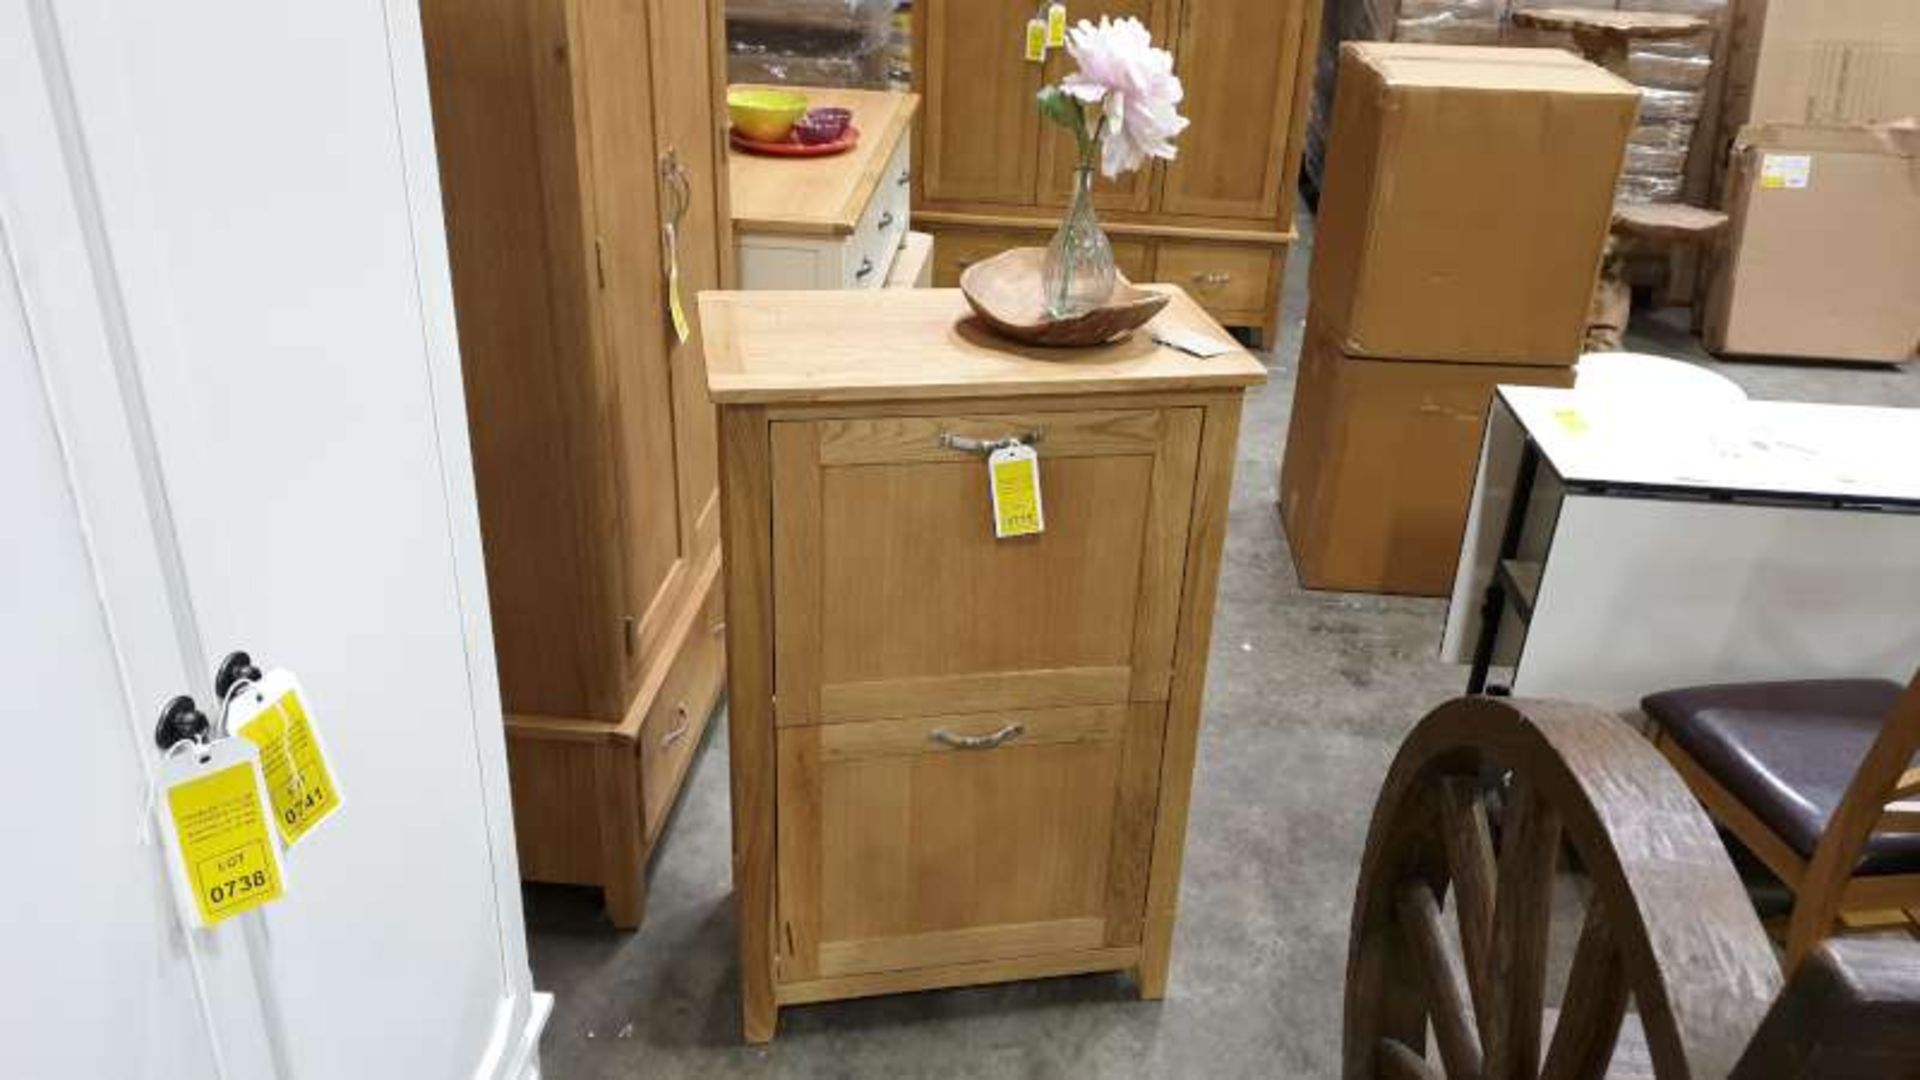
(1224, 277)
(893, 598)
(938, 841)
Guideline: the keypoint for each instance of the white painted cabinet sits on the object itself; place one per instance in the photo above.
(834, 222)
(231, 416)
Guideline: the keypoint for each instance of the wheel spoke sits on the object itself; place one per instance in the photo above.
(1596, 1004)
(1523, 910)
(1399, 1063)
(1453, 1026)
(1470, 865)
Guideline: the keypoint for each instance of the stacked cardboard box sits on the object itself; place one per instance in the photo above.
(1465, 208)
(1822, 261)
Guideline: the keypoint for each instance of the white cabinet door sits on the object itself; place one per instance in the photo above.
(232, 416)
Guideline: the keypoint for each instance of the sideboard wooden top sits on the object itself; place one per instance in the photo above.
(821, 196)
(878, 344)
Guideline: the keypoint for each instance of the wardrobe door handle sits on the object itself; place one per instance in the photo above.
(679, 730)
(979, 742)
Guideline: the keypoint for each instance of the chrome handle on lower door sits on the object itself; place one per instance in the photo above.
(979, 742)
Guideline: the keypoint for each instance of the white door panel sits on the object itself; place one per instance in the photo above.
(251, 231)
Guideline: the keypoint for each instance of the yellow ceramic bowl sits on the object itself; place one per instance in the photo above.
(766, 115)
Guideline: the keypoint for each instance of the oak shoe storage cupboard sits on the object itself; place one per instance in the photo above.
(958, 759)
(571, 134)
(990, 174)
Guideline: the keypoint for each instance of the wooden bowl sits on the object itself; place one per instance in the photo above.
(1006, 293)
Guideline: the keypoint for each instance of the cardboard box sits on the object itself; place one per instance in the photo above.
(1822, 259)
(1823, 62)
(1379, 465)
(1466, 201)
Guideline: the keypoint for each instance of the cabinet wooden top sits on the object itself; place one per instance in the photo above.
(821, 196)
(880, 344)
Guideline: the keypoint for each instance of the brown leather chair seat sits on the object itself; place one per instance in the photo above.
(1787, 751)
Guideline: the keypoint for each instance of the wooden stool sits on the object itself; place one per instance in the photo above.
(1605, 38)
(1640, 229)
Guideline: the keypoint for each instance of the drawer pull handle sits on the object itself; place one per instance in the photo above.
(906, 177)
(680, 729)
(866, 267)
(1215, 277)
(885, 222)
(968, 445)
(979, 742)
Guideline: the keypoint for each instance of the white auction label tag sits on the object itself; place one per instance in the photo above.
(273, 715)
(213, 811)
(1014, 475)
(1788, 172)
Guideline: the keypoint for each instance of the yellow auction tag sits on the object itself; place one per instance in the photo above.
(223, 851)
(272, 715)
(1036, 40)
(1056, 25)
(1015, 475)
(1571, 421)
(682, 329)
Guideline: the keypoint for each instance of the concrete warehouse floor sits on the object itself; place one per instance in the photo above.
(1308, 697)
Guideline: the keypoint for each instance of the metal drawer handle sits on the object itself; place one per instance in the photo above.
(966, 444)
(979, 742)
(866, 267)
(885, 222)
(679, 730)
(1216, 277)
(906, 177)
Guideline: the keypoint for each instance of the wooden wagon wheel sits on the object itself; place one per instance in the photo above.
(1669, 929)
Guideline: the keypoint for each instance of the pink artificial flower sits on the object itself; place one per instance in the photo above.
(1135, 86)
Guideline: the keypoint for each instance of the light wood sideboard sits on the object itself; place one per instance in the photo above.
(957, 759)
(570, 134)
(834, 222)
(1217, 220)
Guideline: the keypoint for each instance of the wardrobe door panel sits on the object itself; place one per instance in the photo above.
(1238, 61)
(631, 362)
(692, 171)
(979, 123)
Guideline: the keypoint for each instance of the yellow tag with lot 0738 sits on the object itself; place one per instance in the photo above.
(214, 813)
(272, 715)
(1014, 472)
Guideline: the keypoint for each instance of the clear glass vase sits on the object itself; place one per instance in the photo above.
(1078, 274)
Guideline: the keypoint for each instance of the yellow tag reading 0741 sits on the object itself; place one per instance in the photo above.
(1015, 475)
(224, 844)
(298, 780)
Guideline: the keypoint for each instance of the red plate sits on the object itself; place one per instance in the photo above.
(791, 146)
